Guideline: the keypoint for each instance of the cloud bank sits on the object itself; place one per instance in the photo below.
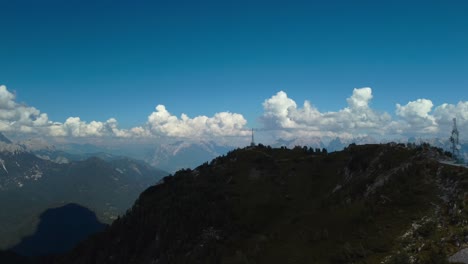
(281, 116)
(416, 118)
(15, 117)
(221, 124)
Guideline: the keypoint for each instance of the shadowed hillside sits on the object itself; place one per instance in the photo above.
(366, 204)
(59, 230)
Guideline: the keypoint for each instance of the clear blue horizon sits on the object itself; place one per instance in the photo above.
(101, 59)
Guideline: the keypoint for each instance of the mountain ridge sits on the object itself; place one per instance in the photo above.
(369, 203)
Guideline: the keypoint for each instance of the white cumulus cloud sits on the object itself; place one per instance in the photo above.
(281, 112)
(415, 117)
(444, 114)
(161, 122)
(360, 98)
(15, 117)
(19, 117)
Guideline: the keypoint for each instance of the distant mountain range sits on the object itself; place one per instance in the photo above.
(31, 181)
(183, 154)
(174, 155)
(169, 156)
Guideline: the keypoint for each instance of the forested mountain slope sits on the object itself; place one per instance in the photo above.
(366, 204)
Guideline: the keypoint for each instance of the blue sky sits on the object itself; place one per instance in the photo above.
(101, 59)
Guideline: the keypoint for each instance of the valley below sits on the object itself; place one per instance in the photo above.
(30, 184)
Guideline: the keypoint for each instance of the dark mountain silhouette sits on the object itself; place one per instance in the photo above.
(9, 257)
(59, 230)
(366, 204)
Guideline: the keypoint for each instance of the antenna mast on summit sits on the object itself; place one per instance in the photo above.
(454, 140)
(252, 144)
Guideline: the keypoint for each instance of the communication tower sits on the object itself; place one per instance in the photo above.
(454, 140)
(252, 143)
